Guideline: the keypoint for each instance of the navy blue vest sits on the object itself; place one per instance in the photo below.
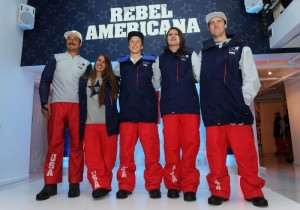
(221, 96)
(178, 91)
(138, 100)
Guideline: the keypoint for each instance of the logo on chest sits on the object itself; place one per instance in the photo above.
(146, 63)
(233, 50)
(81, 65)
(184, 57)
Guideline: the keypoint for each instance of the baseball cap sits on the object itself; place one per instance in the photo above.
(215, 14)
(75, 33)
(136, 33)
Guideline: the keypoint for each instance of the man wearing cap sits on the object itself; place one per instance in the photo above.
(63, 71)
(138, 118)
(228, 84)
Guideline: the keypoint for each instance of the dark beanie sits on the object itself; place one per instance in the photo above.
(136, 33)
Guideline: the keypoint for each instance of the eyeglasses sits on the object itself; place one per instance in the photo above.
(217, 22)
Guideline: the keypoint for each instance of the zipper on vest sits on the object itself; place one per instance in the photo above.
(110, 98)
(137, 77)
(177, 71)
(225, 70)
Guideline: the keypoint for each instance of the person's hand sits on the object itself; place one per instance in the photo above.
(46, 111)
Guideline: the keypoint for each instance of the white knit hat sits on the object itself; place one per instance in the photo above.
(215, 14)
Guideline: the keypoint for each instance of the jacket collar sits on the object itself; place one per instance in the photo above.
(234, 40)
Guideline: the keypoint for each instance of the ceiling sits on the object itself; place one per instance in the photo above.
(284, 66)
(284, 33)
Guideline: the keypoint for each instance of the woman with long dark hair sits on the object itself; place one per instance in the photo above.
(99, 126)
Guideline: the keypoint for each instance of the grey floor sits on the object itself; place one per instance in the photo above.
(281, 177)
(282, 190)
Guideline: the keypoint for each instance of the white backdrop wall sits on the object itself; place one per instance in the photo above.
(292, 91)
(16, 94)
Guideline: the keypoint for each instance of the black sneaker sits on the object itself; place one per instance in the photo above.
(155, 193)
(216, 200)
(47, 191)
(122, 194)
(172, 193)
(74, 190)
(100, 192)
(189, 196)
(259, 201)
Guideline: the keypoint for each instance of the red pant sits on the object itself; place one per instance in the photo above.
(63, 115)
(181, 135)
(148, 135)
(100, 155)
(240, 139)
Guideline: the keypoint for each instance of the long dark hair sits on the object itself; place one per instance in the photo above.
(107, 76)
(181, 38)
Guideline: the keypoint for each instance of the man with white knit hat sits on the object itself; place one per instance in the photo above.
(228, 84)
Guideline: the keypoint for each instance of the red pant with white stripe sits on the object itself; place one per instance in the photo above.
(148, 135)
(181, 146)
(240, 139)
(100, 155)
(63, 115)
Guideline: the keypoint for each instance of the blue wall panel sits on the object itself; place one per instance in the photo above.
(104, 26)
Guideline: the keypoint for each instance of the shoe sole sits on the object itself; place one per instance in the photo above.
(73, 195)
(100, 195)
(217, 204)
(155, 197)
(190, 200)
(258, 205)
(173, 196)
(122, 196)
(214, 204)
(45, 198)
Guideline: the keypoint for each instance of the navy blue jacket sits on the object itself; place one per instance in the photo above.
(138, 100)
(221, 96)
(111, 111)
(178, 91)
